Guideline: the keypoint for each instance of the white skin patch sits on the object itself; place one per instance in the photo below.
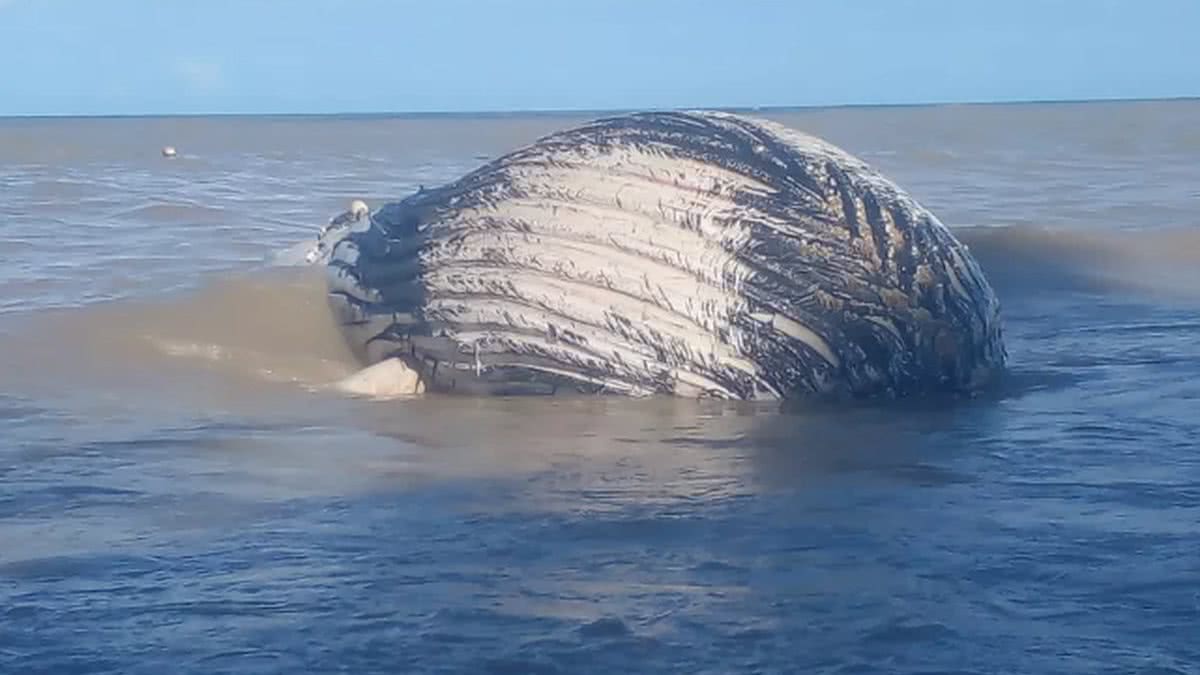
(390, 378)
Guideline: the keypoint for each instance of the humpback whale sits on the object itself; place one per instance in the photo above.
(694, 254)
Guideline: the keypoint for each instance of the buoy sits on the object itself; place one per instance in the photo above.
(168, 151)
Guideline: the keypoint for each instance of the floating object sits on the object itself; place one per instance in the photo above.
(685, 254)
(168, 151)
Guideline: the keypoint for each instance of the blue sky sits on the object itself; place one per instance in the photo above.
(317, 56)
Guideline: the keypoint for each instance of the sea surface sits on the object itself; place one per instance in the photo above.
(181, 492)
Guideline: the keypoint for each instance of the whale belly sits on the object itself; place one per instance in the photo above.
(687, 254)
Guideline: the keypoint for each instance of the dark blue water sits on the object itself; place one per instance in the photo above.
(203, 509)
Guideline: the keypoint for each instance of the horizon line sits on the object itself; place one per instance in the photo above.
(550, 112)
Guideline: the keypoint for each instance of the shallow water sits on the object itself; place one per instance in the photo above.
(179, 491)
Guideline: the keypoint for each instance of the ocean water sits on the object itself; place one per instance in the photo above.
(181, 492)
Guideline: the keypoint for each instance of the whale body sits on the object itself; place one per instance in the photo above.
(697, 254)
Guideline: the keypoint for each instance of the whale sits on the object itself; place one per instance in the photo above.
(696, 254)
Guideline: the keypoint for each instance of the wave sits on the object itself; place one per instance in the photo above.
(1023, 261)
(232, 339)
(173, 213)
(273, 326)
